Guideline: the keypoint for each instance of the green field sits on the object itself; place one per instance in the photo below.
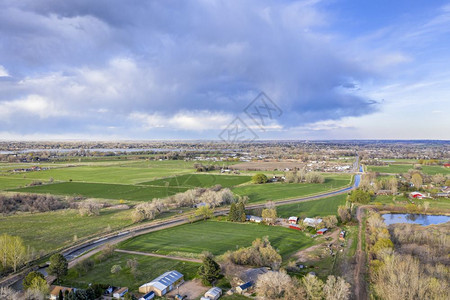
(399, 169)
(322, 207)
(216, 237)
(278, 191)
(9, 183)
(52, 230)
(148, 269)
(200, 180)
(104, 190)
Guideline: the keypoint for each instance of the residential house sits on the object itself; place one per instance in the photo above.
(163, 284)
(253, 219)
(243, 287)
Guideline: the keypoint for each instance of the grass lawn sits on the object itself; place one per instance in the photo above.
(103, 190)
(200, 180)
(216, 237)
(278, 191)
(399, 169)
(148, 269)
(322, 207)
(51, 230)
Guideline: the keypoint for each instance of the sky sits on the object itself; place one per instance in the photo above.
(153, 70)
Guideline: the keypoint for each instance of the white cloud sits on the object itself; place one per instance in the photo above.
(33, 105)
(3, 72)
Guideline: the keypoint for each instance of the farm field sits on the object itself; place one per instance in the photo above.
(52, 230)
(399, 169)
(278, 191)
(200, 180)
(9, 183)
(323, 207)
(216, 237)
(102, 174)
(148, 269)
(104, 190)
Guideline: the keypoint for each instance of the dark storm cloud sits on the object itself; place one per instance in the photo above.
(97, 64)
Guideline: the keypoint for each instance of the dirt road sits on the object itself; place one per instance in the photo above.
(360, 281)
(160, 255)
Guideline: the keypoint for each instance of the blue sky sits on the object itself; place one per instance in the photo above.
(340, 69)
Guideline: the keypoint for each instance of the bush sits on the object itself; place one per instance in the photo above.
(259, 178)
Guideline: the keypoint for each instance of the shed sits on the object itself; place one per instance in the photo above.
(214, 293)
(120, 292)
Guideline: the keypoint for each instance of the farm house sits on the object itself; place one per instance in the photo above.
(243, 287)
(254, 219)
(163, 284)
(293, 220)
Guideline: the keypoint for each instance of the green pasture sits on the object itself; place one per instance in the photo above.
(200, 180)
(52, 230)
(278, 191)
(104, 190)
(216, 237)
(322, 207)
(399, 169)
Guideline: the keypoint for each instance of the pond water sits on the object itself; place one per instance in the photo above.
(423, 220)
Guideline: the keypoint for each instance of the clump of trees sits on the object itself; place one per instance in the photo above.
(34, 203)
(359, 196)
(212, 197)
(259, 178)
(279, 285)
(304, 176)
(260, 253)
(415, 268)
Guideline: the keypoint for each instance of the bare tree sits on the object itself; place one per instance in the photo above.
(336, 288)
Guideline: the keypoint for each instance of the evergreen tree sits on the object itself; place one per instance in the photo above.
(240, 212)
(209, 271)
(60, 296)
(232, 213)
(58, 266)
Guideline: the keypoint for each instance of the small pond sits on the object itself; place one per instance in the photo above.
(423, 220)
